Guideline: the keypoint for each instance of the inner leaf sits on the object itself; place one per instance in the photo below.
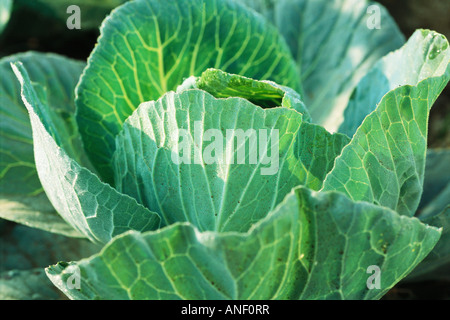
(221, 164)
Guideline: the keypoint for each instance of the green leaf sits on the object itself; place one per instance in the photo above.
(36, 212)
(21, 195)
(437, 205)
(5, 13)
(58, 75)
(92, 207)
(287, 255)
(437, 264)
(148, 47)
(436, 187)
(385, 161)
(25, 248)
(266, 94)
(416, 61)
(25, 252)
(333, 45)
(434, 209)
(221, 164)
(27, 285)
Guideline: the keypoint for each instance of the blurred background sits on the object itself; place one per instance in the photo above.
(46, 31)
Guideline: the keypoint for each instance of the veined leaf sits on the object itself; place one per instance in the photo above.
(92, 207)
(385, 161)
(266, 94)
(335, 43)
(21, 195)
(221, 164)
(285, 256)
(416, 61)
(58, 75)
(148, 47)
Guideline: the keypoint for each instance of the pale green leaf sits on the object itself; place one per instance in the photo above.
(385, 161)
(218, 163)
(92, 207)
(149, 47)
(21, 195)
(285, 256)
(416, 61)
(58, 75)
(335, 43)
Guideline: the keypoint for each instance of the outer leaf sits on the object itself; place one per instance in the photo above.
(59, 76)
(25, 248)
(25, 252)
(218, 194)
(149, 47)
(95, 209)
(266, 94)
(36, 212)
(417, 60)
(436, 188)
(439, 203)
(334, 44)
(27, 285)
(313, 246)
(385, 161)
(21, 195)
(437, 264)
(434, 210)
